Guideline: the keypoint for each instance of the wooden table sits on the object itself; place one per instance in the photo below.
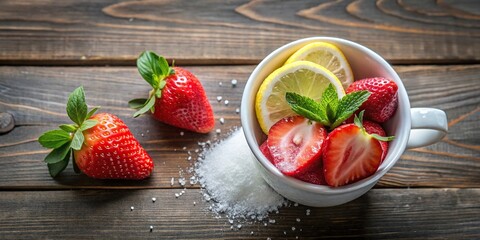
(48, 48)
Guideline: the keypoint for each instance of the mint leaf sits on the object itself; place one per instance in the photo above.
(348, 105)
(148, 64)
(54, 138)
(58, 154)
(68, 127)
(137, 103)
(148, 106)
(305, 106)
(78, 140)
(329, 97)
(55, 168)
(88, 124)
(76, 106)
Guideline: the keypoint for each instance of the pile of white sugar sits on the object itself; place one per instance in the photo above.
(232, 182)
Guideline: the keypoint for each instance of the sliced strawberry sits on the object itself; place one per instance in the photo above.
(375, 128)
(349, 155)
(383, 101)
(266, 152)
(313, 175)
(295, 144)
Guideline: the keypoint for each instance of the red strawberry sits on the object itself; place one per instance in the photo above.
(102, 145)
(295, 144)
(266, 152)
(375, 128)
(177, 98)
(351, 154)
(313, 175)
(383, 101)
(110, 151)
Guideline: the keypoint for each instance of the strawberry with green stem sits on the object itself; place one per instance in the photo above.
(351, 153)
(177, 97)
(101, 145)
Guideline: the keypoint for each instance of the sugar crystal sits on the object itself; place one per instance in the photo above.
(234, 182)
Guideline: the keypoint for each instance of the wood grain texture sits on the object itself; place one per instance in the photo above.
(90, 32)
(36, 97)
(380, 214)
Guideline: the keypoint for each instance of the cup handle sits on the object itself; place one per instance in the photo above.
(429, 125)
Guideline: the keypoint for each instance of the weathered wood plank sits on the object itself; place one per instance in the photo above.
(90, 32)
(36, 97)
(380, 214)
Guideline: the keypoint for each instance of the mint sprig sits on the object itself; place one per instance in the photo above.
(329, 111)
(154, 69)
(68, 137)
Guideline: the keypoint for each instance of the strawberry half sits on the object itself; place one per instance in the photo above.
(102, 145)
(375, 128)
(351, 154)
(295, 144)
(177, 97)
(314, 174)
(382, 102)
(266, 152)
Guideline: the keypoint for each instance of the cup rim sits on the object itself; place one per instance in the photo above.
(391, 158)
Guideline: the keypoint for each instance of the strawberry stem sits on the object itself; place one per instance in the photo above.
(154, 69)
(69, 137)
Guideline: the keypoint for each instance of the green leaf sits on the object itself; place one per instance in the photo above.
(58, 167)
(54, 138)
(89, 114)
(137, 103)
(305, 106)
(148, 106)
(162, 62)
(58, 154)
(148, 64)
(348, 105)
(329, 97)
(68, 127)
(76, 106)
(78, 140)
(88, 124)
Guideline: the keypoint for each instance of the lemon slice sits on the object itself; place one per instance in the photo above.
(302, 77)
(328, 56)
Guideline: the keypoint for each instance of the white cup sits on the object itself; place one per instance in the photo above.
(412, 127)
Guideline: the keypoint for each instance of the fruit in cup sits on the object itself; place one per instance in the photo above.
(313, 174)
(333, 164)
(102, 145)
(383, 102)
(326, 55)
(295, 144)
(350, 153)
(302, 77)
(177, 97)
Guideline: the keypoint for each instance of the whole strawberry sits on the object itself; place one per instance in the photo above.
(177, 97)
(383, 101)
(102, 145)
